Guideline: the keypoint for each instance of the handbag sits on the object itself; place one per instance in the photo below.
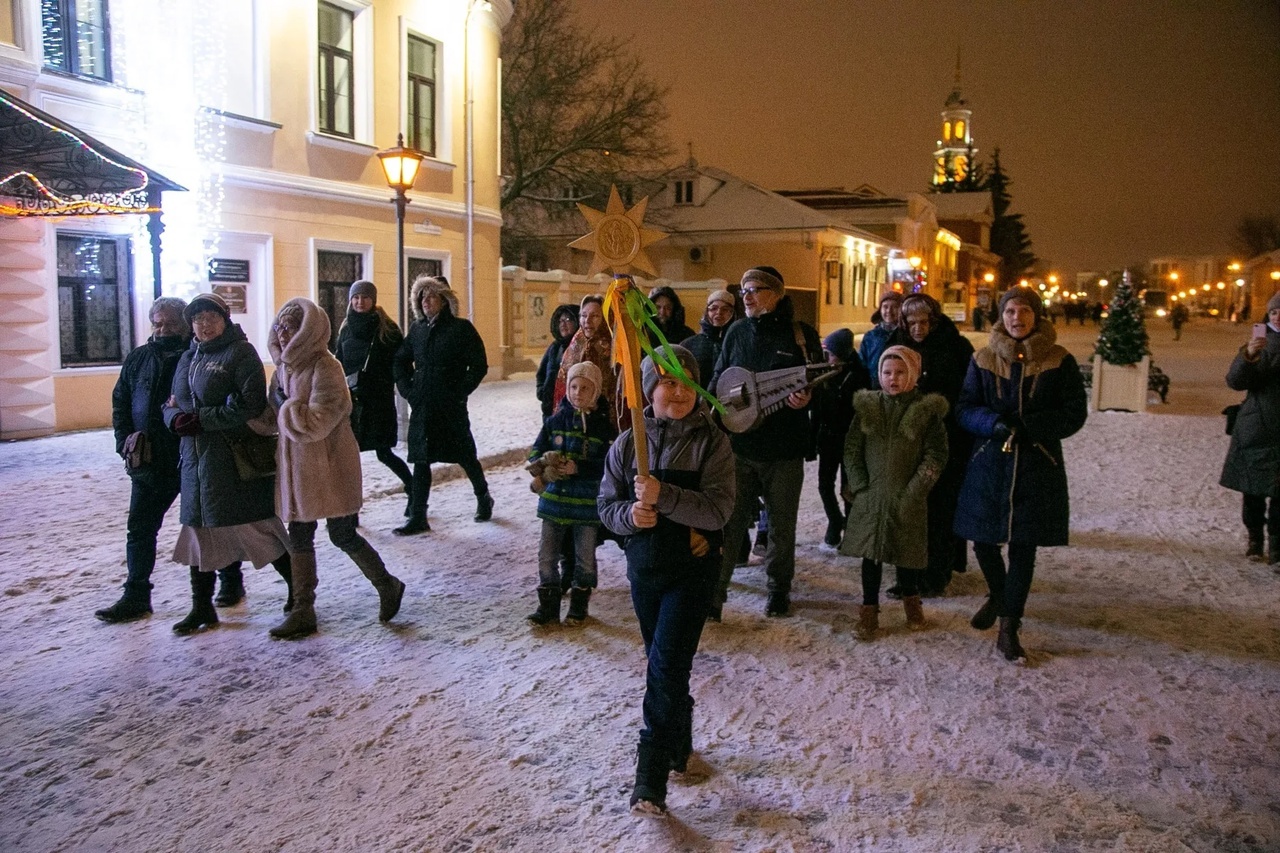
(353, 379)
(1232, 412)
(254, 454)
(137, 452)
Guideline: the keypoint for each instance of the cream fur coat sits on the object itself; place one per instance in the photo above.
(318, 458)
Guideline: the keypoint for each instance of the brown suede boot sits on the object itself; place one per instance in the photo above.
(301, 620)
(390, 588)
(915, 613)
(868, 622)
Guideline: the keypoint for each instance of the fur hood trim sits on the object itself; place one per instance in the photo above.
(873, 411)
(312, 339)
(424, 284)
(1038, 351)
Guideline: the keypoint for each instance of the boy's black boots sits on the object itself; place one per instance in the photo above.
(548, 612)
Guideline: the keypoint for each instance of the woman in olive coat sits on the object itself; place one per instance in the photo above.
(437, 367)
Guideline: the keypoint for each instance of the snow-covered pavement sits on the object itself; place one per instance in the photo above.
(1149, 719)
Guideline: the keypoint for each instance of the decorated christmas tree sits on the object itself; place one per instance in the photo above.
(1123, 339)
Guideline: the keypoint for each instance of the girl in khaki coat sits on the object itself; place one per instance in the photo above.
(894, 452)
(318, 461)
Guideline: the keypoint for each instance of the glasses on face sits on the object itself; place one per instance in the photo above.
(284, 328)
(755, 291)
(205, 318)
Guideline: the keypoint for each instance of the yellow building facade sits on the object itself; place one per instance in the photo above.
(270, 113)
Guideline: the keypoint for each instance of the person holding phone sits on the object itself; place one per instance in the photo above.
(1253, 459)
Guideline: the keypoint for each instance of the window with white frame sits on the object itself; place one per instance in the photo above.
(420, 93)
(77, 37)
(684, 192)
(335, 273)
(336, 72)
(95, 298)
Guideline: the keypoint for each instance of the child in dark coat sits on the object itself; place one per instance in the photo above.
(567, 462)
(671, 523)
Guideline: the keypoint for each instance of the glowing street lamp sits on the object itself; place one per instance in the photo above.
(400, 168)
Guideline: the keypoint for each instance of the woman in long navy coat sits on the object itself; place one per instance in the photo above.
(1022, 395)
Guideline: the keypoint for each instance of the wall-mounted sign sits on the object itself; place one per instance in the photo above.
(229, 270)
(234, 295)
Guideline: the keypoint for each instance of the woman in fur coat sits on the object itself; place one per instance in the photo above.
(1023, 395)
(318, 462)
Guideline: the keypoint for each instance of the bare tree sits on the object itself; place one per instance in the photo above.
(579, 112)
(1256, 235)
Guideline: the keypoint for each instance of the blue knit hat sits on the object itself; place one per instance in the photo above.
(839, 343)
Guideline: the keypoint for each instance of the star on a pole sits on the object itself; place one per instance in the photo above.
(618, 236)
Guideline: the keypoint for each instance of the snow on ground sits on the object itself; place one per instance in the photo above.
(1148, 720)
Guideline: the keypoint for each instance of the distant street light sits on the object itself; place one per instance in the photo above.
(400, 167)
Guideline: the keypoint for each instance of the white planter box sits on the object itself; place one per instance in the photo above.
(1119, 386)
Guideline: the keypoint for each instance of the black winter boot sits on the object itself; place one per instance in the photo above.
(231, 588)
(135, 603)
(1254, 549)
(202, 614)
(484, 507)
(284, 566)
(987, 613)
(548, 612)
(1008, 643)
(390, 588)
(649, 797)
(834, 530)
(579, 597)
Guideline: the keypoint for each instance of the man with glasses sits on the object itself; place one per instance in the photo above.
(769, 460)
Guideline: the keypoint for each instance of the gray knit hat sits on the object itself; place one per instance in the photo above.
(767, 276)
(1273, 303)
(1026, 296)
(722, 296)
(363, 287)
(650, 373)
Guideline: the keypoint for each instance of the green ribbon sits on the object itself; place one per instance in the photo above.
(641, 310)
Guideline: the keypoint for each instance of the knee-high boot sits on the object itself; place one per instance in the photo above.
(390, 588)
(301, 620)
(202, 614)
(284, 565)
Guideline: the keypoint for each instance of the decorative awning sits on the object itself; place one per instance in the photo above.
(49, 168)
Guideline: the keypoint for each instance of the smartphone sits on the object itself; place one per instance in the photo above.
(1259, 330)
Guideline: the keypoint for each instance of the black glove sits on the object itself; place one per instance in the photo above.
(278, 396)
(1002, 430)
(187, 423)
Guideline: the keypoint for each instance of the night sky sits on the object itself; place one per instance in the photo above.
(1131, 128)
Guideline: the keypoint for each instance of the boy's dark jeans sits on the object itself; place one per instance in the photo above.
(671, 617)
(149, 500)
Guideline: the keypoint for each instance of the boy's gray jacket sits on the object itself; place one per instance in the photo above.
(693, 443)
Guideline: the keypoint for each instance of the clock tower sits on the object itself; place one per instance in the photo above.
(952, 159)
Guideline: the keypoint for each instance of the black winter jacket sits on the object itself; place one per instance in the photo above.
(370, 336)
(222, 381)
(768, 342)
(137, 404)
(1253, 459)
(437, 367)
(549, 368)
(706, 346)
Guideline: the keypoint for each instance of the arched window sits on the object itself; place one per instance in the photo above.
(946, 131)
(960, 130)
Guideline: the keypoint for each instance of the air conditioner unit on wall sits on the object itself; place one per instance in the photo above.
(699, 254)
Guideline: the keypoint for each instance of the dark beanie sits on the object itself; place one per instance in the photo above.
(363, 288)
(1025, 295)
(650, 373)
(839, 343)
(207, 302)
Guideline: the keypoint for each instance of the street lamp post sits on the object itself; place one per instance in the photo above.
(400, 167)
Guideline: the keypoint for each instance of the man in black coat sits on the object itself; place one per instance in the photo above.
(137, 408)
(769, 460)
(441, 361)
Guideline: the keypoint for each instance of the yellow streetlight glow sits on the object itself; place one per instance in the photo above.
(1275, 275)
(1023, 283)
(1206, 287)
(1053, 279)
(1222, 285)
(1102, 282)
(1234, 266)
(1173, 276)
(989, 277)
(915, 261)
